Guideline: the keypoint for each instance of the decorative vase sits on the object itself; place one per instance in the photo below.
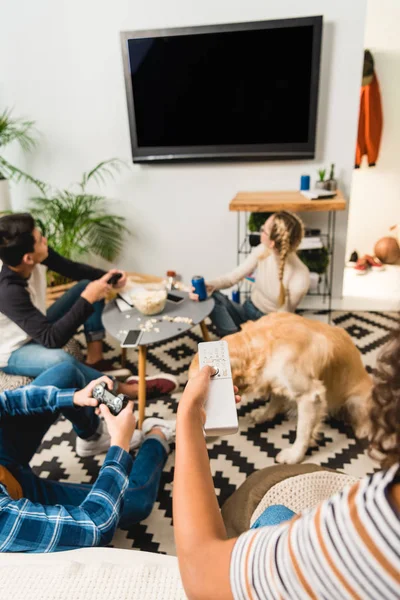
(331, 185)
(320, 185)
(5, 203)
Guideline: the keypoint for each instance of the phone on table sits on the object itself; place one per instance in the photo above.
(114, 278)
(132, 339)
(174, 298)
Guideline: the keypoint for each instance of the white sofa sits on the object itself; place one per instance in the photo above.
(90, 574)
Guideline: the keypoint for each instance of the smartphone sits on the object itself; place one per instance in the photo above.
(174, 298)
(114, 278)
(132, 339)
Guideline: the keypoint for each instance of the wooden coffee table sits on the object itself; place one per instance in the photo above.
(118, 324)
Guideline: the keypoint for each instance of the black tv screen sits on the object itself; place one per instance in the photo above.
(237, 91)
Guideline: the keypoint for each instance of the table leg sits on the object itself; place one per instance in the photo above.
(142, 383)
(123, 357)
(205, 332)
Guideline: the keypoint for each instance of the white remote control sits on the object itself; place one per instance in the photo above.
(220, 405)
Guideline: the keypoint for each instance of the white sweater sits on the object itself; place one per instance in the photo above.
(265, 291)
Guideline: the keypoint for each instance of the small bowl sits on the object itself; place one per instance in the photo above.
(149, 299)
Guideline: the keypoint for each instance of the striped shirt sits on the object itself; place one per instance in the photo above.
(347, 547)
(26, 526)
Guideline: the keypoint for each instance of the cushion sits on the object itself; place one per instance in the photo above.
(238, 509)
(303, 491)
(90, 573)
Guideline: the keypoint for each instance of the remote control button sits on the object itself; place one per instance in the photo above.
(216, 372)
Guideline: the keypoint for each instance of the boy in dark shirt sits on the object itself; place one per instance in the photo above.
(32, 339)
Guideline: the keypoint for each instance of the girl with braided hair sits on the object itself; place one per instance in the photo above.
(281, 280)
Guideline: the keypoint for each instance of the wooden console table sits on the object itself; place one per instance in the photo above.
(247, 202)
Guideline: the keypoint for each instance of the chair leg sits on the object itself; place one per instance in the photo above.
(123, 358)
(205, 332)
(142, 384)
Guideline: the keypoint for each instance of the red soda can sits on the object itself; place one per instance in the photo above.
(199, 287)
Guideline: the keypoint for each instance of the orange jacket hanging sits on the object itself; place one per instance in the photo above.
(370, 123)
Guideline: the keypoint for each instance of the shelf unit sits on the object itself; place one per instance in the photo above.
(245, 203)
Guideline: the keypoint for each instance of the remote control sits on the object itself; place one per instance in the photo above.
(104, 396)
(220, 405)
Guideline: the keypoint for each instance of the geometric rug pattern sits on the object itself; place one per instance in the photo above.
(232, 458)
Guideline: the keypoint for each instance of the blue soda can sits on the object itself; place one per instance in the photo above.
(199, 287)
(236, 296)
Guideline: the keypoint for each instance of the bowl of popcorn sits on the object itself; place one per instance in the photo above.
(149, 299)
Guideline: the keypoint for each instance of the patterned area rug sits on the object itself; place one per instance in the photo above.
(232, 458)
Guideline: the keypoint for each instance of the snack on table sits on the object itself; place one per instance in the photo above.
(150, 299)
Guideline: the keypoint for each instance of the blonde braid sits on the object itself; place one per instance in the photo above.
(287, 233)
(283, 252)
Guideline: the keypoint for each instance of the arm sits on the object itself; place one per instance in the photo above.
(69, 268)
(298, 287)
(33, 400)
(243, 270)
(203, 549)
(26, 526)
(18, 307)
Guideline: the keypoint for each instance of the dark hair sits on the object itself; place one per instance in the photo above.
(16, 238)
(385, 411)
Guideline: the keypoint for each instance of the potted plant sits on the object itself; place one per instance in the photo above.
(320, 184)
(24, 133)
(75, 221)
(317, 260)
(256, 221)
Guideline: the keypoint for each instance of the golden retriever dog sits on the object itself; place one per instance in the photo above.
(290, 359)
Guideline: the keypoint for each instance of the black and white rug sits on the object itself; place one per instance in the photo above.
(232, 458)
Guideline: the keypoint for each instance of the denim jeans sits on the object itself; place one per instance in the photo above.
(227, 316)
(140, 494)
(20, 436)
(32, 359)
(273, 515)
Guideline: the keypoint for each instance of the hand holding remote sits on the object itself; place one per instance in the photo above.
(220, 402)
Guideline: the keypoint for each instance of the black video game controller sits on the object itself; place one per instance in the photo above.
(114, 278)
(115, 403)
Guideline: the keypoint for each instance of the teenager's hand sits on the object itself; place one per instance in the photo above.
(84, 397)
(98, 289)
(195, 297)
(193, 398)
(121, 427)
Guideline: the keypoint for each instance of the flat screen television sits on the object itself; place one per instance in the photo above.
(238, 91)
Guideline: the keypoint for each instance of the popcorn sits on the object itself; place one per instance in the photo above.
(148, 326)
(149, 302)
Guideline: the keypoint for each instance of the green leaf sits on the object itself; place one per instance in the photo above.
(12, 129)
(76, 224)
(104, 170)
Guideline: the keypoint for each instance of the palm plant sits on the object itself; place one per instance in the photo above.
(76, 223)
(24, 133)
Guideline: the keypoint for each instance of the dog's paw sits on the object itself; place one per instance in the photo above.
(289, 456)
(259, 415)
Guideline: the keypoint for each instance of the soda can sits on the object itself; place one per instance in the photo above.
(199, 287)
(236, 296)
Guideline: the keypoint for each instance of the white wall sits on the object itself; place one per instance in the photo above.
(63, 68)
(375, 193)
